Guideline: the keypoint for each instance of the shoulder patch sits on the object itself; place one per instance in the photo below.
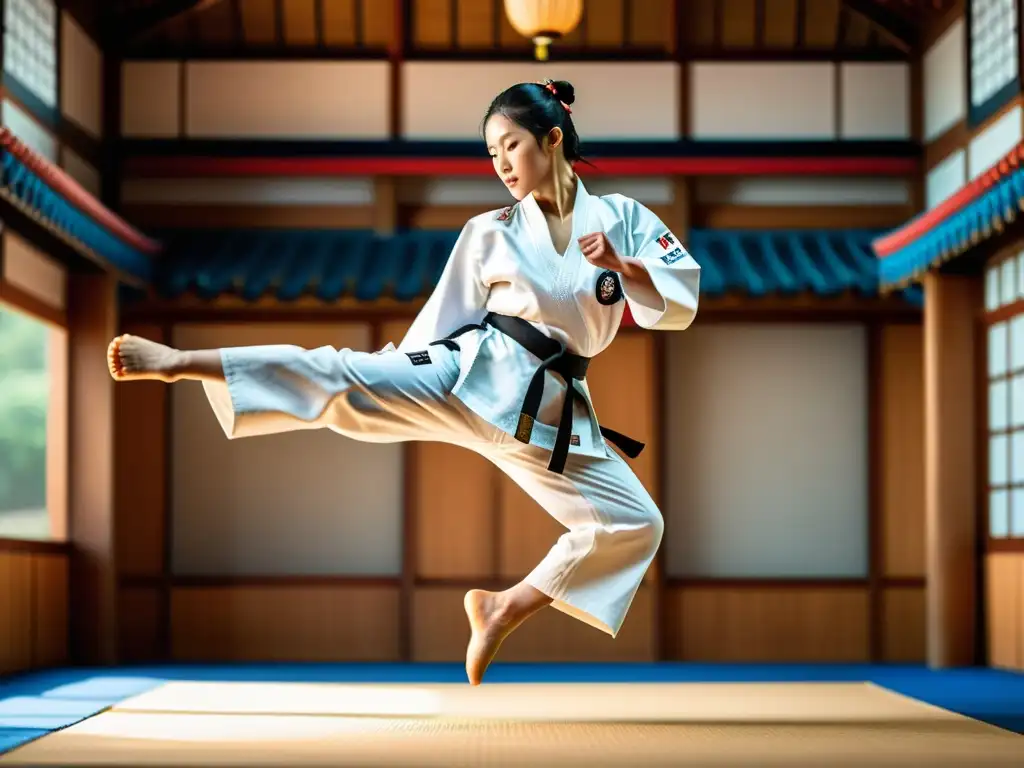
(506, 213)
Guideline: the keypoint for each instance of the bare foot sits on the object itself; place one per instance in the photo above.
(132, 358)
(489, 628)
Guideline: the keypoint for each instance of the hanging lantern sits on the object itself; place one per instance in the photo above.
(544, 21)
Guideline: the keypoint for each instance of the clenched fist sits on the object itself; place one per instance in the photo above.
(600, 252)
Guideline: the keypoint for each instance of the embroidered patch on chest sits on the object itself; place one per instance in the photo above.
(608, 288)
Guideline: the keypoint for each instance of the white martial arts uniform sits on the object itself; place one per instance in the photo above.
(471, 393)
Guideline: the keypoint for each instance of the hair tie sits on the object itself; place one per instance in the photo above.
(550, 85)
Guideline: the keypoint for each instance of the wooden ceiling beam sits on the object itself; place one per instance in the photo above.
(901, 31)
(160, 13)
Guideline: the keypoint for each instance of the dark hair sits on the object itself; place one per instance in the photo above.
(537, 109)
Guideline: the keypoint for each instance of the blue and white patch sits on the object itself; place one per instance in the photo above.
(673, 256)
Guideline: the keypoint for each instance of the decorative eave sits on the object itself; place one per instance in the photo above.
(981, 209)
(36, 194)
(332, 266)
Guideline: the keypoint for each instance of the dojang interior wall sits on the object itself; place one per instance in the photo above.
(311, 546)
(958, 148)
(35, 577)
(463, 523)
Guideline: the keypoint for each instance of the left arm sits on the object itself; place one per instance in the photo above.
(660, 279)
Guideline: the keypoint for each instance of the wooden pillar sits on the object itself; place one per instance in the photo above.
(92, 318)
(385, 205)
(951, 304)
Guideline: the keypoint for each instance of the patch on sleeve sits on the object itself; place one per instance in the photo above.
(505, 214)
(667, 240)
(673, 256)
(419, 358)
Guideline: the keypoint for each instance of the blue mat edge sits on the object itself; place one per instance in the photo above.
(992, 696)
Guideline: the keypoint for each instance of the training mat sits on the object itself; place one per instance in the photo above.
(686, 724)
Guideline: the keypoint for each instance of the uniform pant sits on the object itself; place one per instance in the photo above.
(613, 526)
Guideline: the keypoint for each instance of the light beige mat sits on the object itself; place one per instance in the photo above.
(715, 724)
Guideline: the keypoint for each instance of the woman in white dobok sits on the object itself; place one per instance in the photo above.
(496, 362)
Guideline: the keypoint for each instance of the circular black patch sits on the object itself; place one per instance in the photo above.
(609, 289)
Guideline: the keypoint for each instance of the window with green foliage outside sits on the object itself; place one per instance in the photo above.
(27, 351)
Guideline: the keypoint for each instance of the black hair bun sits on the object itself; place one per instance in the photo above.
(564, 91)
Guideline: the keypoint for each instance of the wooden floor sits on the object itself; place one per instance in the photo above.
(654, 724)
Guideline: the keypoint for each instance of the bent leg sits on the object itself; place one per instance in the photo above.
(614, 529)
(594, 569)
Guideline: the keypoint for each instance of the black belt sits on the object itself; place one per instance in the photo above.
(555, 358)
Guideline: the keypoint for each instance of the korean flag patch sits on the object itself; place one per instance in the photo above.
(673, 256)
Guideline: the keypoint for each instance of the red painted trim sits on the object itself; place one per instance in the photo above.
(915, 228)
(178, 167)
(74, 193)
(628, 321)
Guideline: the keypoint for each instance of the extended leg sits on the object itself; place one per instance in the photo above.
(133, 358)
(386, 396)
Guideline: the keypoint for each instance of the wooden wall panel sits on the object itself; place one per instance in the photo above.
(16, 609)
(821, 23)
(92, 318)
(1004, 609)
(903, 629)
(258, 23)
(216, 24)
(738, 29)
(780, 23)
(455, 500)
(299, 22)
(431, 26)
(700, 31)
(603, 22)
(441, 632)
(339, 21)
(141, 624)
(902, 441)
(285, 623)
(767, 624)
(33, 610)
(140, 456)
(474, 24)
(378, 22)
(440, 629)
(50, 609)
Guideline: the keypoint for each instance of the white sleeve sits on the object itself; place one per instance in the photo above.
(459, 297)
(672, 305)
